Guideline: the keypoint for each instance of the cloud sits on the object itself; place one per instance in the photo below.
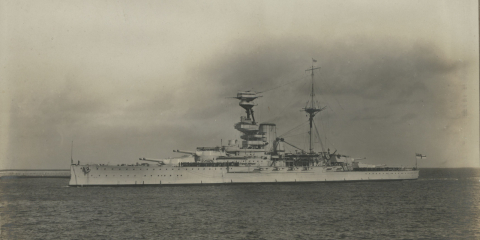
(397, 72)
(364, 86)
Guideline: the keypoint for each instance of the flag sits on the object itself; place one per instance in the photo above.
(314, 60)
(418, 155)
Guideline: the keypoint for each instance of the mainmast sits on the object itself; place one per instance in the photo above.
(312, 110)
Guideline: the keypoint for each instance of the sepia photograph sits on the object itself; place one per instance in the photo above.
(239, 119)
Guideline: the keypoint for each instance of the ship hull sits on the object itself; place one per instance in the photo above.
(88, 175)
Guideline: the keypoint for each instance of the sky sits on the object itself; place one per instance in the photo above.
(130, 79)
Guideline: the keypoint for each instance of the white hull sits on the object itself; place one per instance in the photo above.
(97, 175)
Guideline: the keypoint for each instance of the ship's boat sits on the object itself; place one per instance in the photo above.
(260, 157)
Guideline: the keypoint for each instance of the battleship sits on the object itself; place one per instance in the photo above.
(259, 157)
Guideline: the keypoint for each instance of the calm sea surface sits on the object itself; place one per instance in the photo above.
(441, 204)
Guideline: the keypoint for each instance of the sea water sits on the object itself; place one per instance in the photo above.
(441, 204)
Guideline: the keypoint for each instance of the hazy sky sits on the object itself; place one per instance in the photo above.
(129, 79)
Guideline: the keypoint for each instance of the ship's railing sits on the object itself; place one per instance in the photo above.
(214, 164)
(364, 169)
(218, 149)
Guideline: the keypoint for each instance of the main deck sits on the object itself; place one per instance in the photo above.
(98, 175)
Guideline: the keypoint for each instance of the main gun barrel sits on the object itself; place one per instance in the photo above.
(186, 152)
(153, 160)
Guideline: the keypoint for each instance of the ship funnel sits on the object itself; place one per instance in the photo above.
(269, 132)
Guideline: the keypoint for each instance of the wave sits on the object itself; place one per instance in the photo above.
(451, 179)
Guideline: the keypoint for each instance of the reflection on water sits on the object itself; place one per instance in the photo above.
(442, 204)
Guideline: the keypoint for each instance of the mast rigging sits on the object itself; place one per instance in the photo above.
(312, 110)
